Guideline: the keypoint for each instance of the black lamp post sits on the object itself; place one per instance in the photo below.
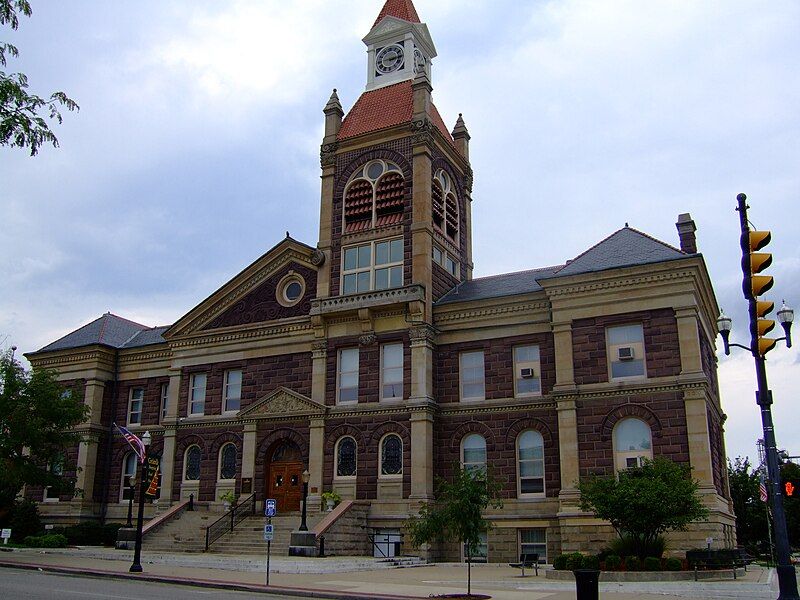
(131, 494)
(787, 582)
(303, 526)
(136, 567)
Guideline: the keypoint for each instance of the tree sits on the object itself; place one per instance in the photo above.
(457, 513)
(645, 502)
(37, 418)
(21, 122)
(751, 512)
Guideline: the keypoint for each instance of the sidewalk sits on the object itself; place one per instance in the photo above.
(346, 577)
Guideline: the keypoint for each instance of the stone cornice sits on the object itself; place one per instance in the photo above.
(496, 406)
(490, 311)
(141, 355)
(296, 328)
(604, 391)
(353, 302)
(595, 284)
(99, 355)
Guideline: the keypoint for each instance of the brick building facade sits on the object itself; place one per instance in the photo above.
(377, 362)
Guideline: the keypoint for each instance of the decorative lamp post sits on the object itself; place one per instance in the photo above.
(131, 494)
(136, 567)
(306, 475)
(785, 318)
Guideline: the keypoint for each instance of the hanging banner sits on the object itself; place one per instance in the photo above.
(153, 476)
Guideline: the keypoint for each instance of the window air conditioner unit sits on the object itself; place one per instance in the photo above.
(527, 373)
(625, 353)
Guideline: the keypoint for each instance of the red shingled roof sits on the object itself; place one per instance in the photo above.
(402, 9)
(385, 107)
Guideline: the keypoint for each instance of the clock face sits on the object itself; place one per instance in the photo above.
(419, 61)
(389, 59)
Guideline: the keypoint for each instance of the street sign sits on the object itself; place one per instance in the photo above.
(268, 532)
(270, 509)
(4, 535)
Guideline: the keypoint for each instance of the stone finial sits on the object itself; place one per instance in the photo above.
(333, 118)
(461, 136)
(333, 105)
(686, 229)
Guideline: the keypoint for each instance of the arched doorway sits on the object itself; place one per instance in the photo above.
(285, 476)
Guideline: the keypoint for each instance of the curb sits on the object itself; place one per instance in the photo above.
(206, 583)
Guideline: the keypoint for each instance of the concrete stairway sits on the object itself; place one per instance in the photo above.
(186, 533)
(248, 537)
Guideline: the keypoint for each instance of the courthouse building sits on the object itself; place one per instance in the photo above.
(376, 361)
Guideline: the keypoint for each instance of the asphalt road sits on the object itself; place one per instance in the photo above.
(32, 585)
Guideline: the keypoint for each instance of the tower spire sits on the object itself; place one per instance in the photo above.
(402, 9)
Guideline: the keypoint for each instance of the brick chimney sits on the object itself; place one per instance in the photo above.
(686, 229)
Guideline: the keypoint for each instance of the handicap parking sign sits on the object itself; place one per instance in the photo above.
(269, 508)
(268, 532)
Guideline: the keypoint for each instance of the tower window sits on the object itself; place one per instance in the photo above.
(445, 205)
(373, 266)
(375, 197)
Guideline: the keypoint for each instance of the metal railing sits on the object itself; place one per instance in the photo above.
(387, 540)
(228, 522)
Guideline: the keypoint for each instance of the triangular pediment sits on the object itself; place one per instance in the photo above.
(283, 402)
(391, 28)
(250, 297)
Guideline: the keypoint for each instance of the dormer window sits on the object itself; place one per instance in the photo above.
(445, 206)
(375, 197)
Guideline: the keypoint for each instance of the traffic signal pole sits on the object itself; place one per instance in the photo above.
(787, 581)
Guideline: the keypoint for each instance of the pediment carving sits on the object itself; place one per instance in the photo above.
(283, 402)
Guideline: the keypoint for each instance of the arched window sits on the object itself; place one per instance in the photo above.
(374, 197)
(632, 443)
(129, 464)
(473, 452)
(392, 455)
(227, 461)
(191, 469)
(445, 205)
(346, 452)
(530, 463)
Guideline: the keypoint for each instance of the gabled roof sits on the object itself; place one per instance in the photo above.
(383, 108)
(497, 286)
(624, 248)
(108, 330)
(402, 9)
(147, 337)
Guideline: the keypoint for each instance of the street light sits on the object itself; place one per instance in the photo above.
(136, 567)
(131, 494)
(303, 526)
(785, 318)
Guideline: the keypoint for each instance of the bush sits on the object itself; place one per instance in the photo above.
(46, 541)
(591, 562)
(631, 546)
(575, 561)
(633, 563)
(613, 562)
(673, 564)
(24, 520)
(90, 533)
(651, 563)
(560, 563)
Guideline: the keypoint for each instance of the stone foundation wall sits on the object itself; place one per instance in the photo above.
(349, 535)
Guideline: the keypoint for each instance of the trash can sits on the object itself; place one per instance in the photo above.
(586, 581)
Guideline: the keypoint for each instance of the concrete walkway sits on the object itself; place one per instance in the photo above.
(361, 578)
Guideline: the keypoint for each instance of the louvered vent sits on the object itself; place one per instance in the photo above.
(438, 205)
(358, 206)
(452, 216)
(389, 199)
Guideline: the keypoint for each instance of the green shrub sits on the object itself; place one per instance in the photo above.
(90, 533)
(613, 562)
(110, 531)
(46, 541)
(604, 554)
(591, 562)
(631, 546)
(651, 563)
(673, 564)
(575, 561)
(633, 563)
(560, 563)
(24, 520)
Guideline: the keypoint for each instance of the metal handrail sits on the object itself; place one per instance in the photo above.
(392, 538)
(228, 522)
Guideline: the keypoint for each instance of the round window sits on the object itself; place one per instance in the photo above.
(290, 289)
(374, 170)
(293, 291)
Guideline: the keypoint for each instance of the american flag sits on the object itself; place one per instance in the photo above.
(134, 441)
(762, 490)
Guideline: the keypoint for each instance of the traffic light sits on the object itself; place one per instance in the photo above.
(755, 285)
(791, 488)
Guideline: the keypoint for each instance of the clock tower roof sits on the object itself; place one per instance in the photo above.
(402, 9)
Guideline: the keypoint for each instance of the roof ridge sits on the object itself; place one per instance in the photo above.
(400, 9)
(536, 270)
(655, 239)
(110, 314)
(585, 252)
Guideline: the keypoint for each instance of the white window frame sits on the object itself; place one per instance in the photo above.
(476, 465)
(363, 175)
(462, 381)
(164, 400)
(219, 462)
(638, 346)
(131, 399)
(336, 476)
(384, 476)
(226, 395)
(339, 374)
(195, 388)
(521, 544)
(621, 457)
(373, 267)
(530, 495)
(384, 370)
(536, 365)
(125, 474)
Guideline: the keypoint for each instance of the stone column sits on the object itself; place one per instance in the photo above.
(422, 344)
(93, 398)
(249, 452)
(689, 340)
(173, 394)
(421, 454)
(319, 366)
(167, 466)
(93, 392)
(562, 339)
(697, 432)
(316, 462)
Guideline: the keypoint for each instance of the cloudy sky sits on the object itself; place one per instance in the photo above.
(197, 147)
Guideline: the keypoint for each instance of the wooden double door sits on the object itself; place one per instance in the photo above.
(285, 478)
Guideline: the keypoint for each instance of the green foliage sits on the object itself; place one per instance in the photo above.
(560, 563)
(629, 546)
(24, 520)
(49, 540)
(36, 414)
(574, 561)
(645, 502)
(751, 512)
(457, 512)
(633, 563)
(613, 562)
(21, 122)
(673, 564)
(651, 563)
(90, 533)
(591, 562)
